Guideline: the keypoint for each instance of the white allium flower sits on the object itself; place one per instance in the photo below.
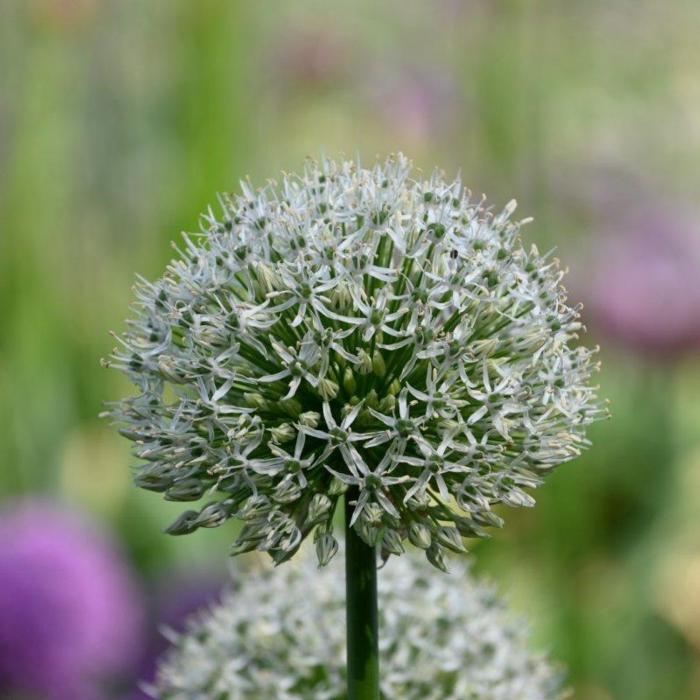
(354, 329)
(281, 635)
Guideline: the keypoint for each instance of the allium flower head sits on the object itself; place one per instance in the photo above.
(354, 329)
(282, 635)
(70, 610)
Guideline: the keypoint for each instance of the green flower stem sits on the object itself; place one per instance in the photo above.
(361, 607)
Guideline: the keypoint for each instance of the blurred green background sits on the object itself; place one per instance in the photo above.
(119, 122)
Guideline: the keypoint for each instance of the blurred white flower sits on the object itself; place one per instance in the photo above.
(281, 635)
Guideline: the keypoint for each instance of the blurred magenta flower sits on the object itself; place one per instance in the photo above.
(414, 106)
(310, 58)
(63, 14)
(70, 611)
(172, 601)
(644, 288)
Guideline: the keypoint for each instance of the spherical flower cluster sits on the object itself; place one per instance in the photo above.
(70, 609)
(281, 635)
(354, 329)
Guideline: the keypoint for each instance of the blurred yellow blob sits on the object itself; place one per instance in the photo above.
(93, 470)
(593, 692)
(677, 586)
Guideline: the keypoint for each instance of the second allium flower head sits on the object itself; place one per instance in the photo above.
(281, 635)
(354, 329)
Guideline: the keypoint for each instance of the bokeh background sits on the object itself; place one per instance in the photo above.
(120, 120)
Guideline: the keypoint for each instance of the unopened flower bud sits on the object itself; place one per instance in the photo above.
(284, 432)
(291, 407)
(255, 400)
(169, 370)
(419, 535)
(341, 297)
(319, 507)
(391, 542)
(365, 364)
(185, 490)
(254, 507)
(449, 537)
(310, 419)
(488, 518)
(326, 548)
(287, 492)
(213, 515)
(327, 389)
(436, 558)
(394, 387)
(378, 365)
(154, 479)
(373, 399)
(419, 501)
(184, 524)
(269, 279)
(337, 487)
(386, 405)
(349, 383)
(372, 514)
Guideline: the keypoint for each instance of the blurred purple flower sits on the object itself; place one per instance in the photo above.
(63, 14)
(310, 58)
(70, 612)
(414, 106)
(174, 599)
(644, 288)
